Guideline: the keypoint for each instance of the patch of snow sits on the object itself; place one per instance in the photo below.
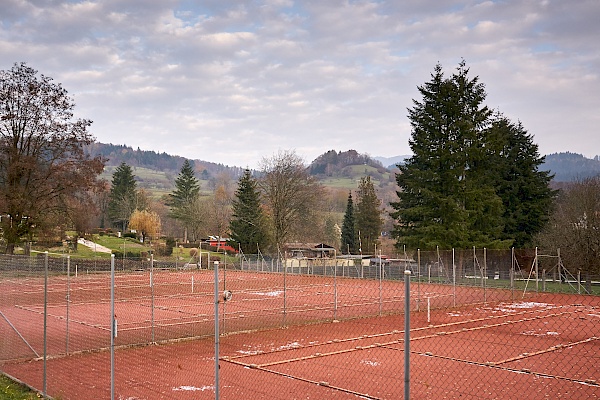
(270, 294)
(293, 345)
(371, 363)
(193, 388)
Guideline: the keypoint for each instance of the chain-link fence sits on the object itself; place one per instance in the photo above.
(480, 320)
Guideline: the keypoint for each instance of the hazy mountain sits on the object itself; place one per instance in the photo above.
(390, 162)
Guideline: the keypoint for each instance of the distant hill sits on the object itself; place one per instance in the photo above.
(568, 167)
(342, 169)
(333, 163)
(155, 170)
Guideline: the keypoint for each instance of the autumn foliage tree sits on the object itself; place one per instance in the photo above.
(147, 223)
(42, 162)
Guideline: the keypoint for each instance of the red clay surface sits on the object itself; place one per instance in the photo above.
(540, 347)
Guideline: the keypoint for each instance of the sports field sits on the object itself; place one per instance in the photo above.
(295, 336)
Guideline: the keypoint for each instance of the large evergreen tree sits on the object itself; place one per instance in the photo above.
(187, 191)
(455, 189)
(122, 201)
(368, 215)
(348, 239)
(247, 224)
(513, 163)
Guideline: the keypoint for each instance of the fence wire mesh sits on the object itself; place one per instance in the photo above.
(484, 324)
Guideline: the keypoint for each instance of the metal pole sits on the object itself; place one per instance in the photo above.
(284, 285)
(380, 294)
(537, 281)
(113, 326)
(68, 299)
(406, 334)
(512, 274)
(335, 302)
(484, 282)
(216, 330)
(45, 318)
(418, 279)
(152, 294)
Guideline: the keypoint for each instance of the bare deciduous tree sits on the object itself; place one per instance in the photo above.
(42, 161)
(291, 194)
(574, 227)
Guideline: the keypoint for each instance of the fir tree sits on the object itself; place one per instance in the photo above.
(187, 191)
(456, 188)
(348, 240)
(514, 163)
(444, 201)
(368, 215)
(122, 197)
(247, 224)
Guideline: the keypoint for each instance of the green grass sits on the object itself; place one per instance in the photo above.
(11, 390)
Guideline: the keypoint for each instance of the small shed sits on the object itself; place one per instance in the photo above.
(309, 250)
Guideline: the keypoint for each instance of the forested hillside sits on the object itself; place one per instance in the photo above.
(155, 170)
(568, 167)
(334, 168)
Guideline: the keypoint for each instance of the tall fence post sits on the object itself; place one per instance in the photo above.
(45, 320)
(335, 302)
(216, 330)
(113, 326)
(68, 301)
(418, 279)
(152, 295)
(380, 288)
(407, 335)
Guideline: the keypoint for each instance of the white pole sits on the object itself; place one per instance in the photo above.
(453, 280)
(428, 309)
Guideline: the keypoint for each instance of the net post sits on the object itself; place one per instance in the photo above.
(406, 334)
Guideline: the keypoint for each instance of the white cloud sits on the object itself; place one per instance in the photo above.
(232, 83)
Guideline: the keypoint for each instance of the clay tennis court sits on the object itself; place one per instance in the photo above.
(505, 347)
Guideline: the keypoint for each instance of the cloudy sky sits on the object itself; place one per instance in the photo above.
(236, 81)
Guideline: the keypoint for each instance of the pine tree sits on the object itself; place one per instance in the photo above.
(368, 215)
(247, 224)
(455, 190)
(122, 197)
(348, 240)
(187, 190)
(524, 189)
(443, 199)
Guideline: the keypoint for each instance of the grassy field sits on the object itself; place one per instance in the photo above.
(10, 390)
